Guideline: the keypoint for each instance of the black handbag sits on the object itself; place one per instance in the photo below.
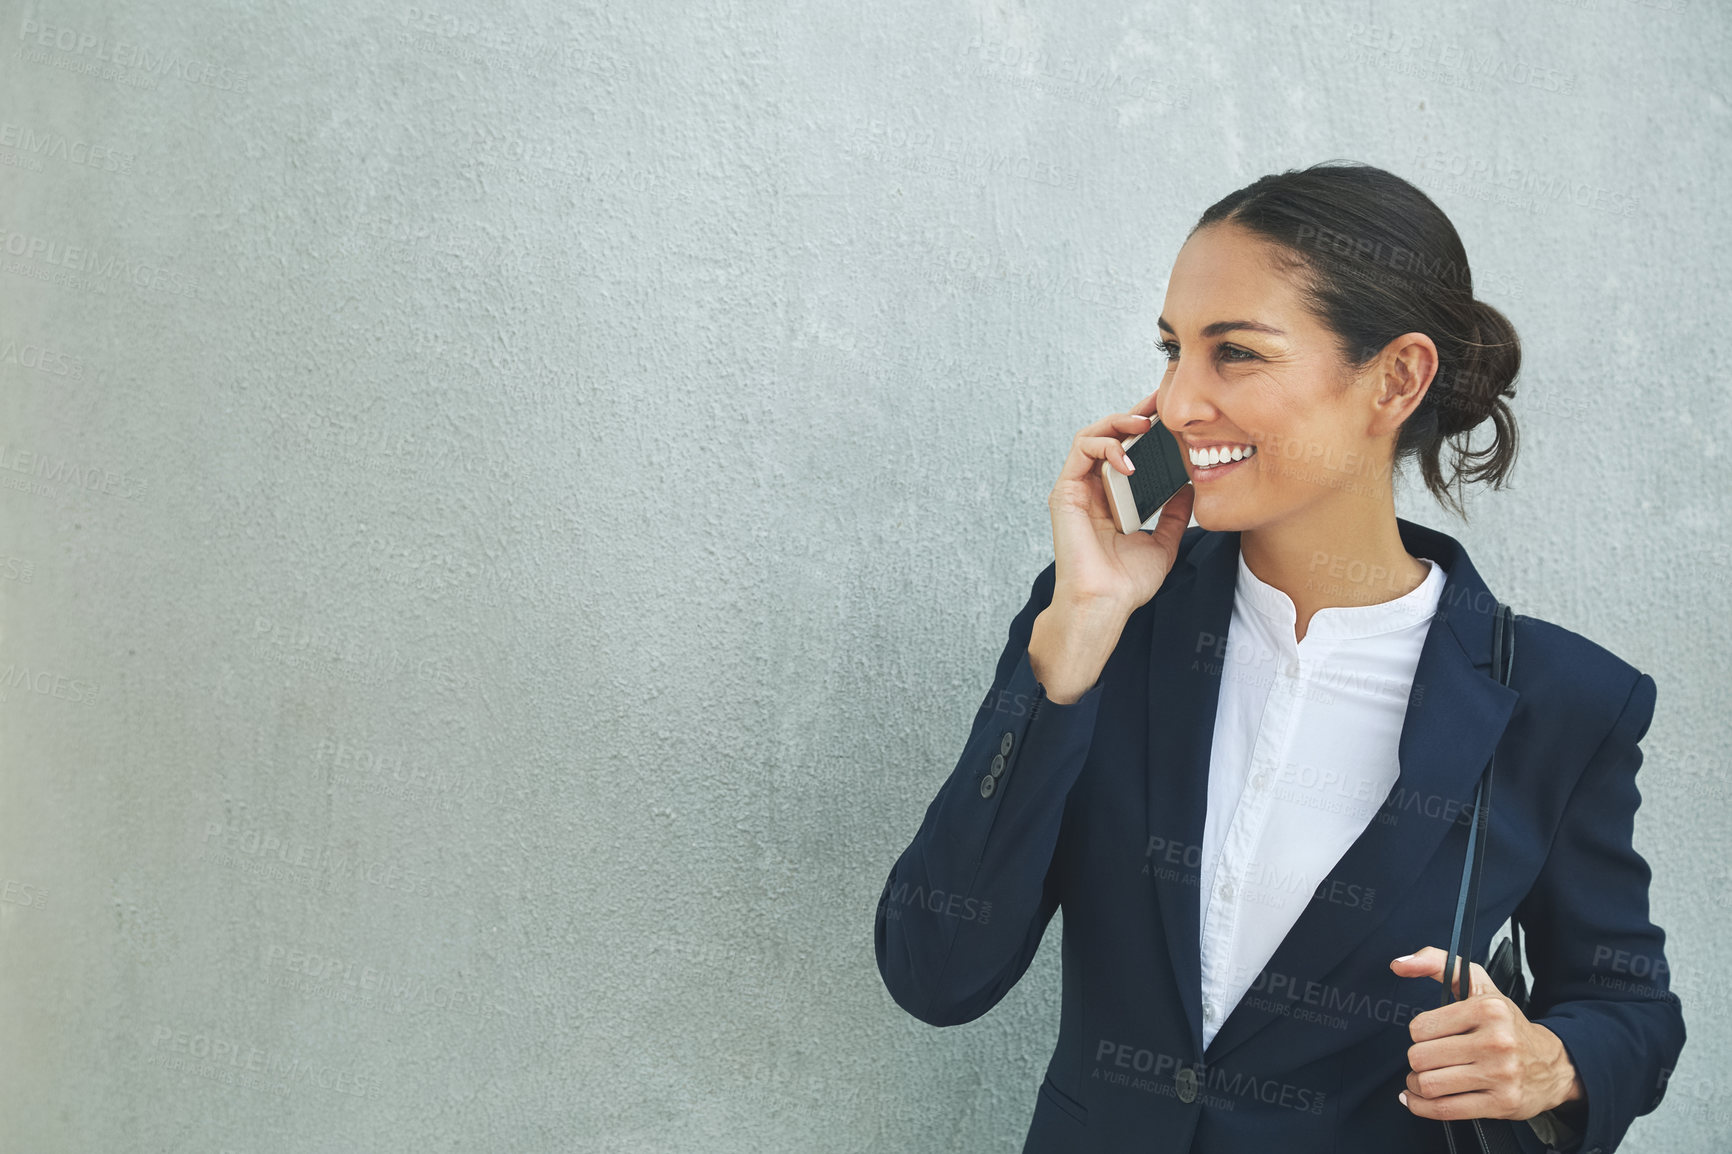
(1496, 1135)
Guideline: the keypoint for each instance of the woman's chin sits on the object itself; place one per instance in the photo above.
(1220, 514)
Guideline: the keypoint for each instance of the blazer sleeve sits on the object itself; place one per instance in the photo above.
(1601, 982)
(965, 906)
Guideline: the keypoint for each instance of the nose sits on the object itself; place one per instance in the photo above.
(1182, 398)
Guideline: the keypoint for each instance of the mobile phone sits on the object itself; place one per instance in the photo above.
(1136, 500)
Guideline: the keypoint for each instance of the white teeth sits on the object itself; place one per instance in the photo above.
(1205, 458)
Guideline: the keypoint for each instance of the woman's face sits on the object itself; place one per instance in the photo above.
(1250, 366)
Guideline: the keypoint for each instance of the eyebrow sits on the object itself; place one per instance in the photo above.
(1219, 327)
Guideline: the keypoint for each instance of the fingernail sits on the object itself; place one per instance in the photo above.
(1405, 958)
(1403, 1097)
(1128, 466)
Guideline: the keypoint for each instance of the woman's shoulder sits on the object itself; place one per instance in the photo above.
(1576, 679)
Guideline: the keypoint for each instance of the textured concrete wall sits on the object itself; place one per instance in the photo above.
(509, 509)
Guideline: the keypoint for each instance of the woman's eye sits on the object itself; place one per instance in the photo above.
(1172, 354)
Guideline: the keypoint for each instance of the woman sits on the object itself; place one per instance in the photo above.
(1242, 755)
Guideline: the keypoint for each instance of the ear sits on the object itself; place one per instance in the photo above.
(1403, 374)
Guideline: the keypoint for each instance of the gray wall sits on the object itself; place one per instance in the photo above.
(509, 510)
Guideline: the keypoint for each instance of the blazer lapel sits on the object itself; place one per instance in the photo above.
(1455, 715)
(1189, 631)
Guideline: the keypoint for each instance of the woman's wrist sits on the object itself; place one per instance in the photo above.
(1570, 1101)
(1069, 646)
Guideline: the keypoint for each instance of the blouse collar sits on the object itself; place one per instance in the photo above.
(1344, 622)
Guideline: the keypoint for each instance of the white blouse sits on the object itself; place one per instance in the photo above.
(1304, 753)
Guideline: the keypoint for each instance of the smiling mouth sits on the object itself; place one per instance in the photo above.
(1205, 459)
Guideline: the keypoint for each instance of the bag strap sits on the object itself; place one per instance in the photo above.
(1457, 969)
(1457, 984)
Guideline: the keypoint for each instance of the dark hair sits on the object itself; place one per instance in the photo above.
(1374, 257)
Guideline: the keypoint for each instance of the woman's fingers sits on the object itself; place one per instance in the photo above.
(1126, 423)
(1094, 443)
(1094, 560)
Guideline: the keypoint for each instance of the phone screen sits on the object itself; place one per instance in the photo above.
(1160, 469)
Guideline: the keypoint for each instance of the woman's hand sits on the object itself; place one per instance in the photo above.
(1095, 564)
(1100, 575)
(1480, 1057)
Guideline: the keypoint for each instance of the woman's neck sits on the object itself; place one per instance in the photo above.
(1322, 562)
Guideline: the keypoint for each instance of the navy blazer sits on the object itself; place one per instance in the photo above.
(1098, 806)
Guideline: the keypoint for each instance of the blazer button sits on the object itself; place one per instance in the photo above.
(987, 785)
(1186, 1081)
(997, 764)
(1005, 742)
